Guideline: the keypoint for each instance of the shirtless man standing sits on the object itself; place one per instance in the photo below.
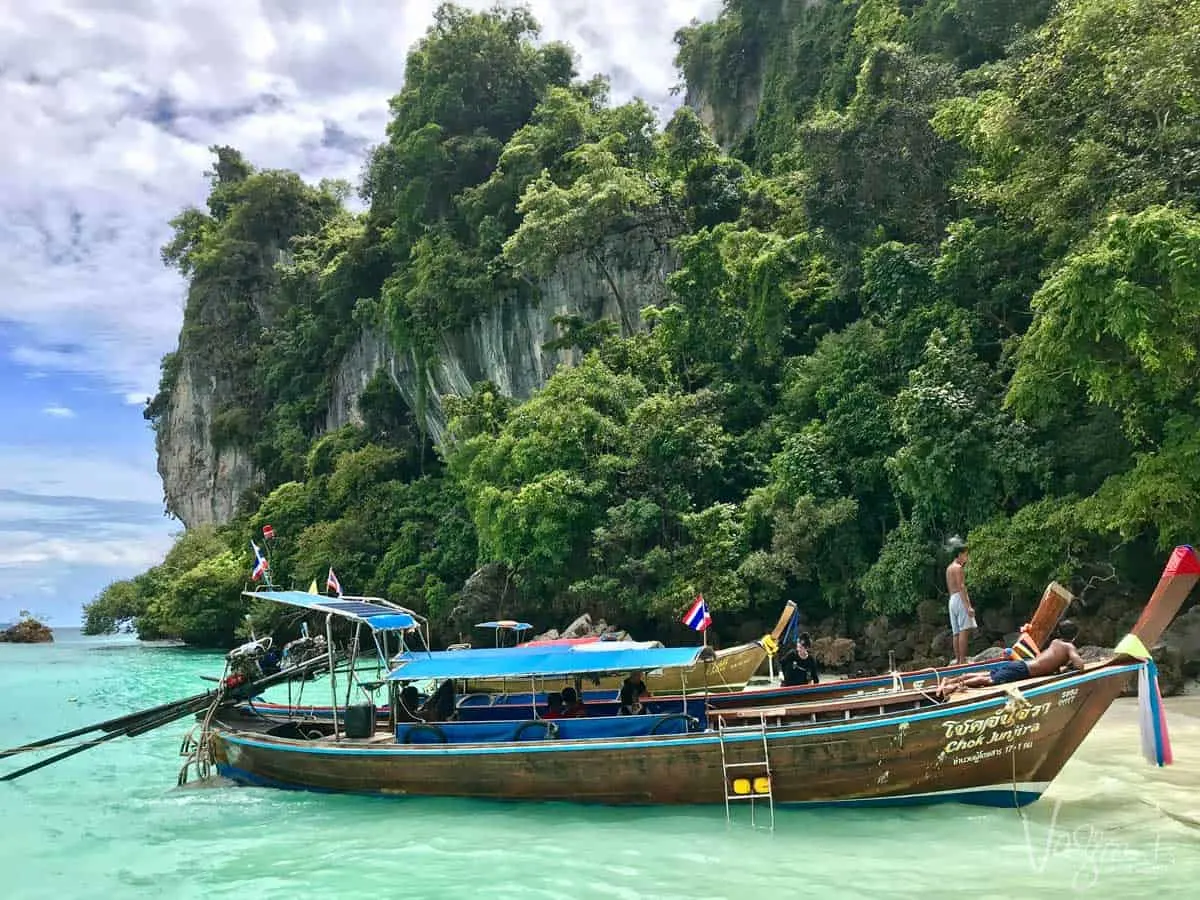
(962, 613)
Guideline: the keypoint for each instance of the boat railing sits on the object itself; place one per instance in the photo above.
(881, 703)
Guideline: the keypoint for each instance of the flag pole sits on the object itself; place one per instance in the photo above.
(268, 534)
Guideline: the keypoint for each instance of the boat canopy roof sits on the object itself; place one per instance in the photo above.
(506, 623)
(368, 611)
(586, 659)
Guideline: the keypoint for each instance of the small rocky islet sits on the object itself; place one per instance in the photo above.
(27, 631)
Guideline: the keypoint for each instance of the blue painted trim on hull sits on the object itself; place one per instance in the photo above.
(998, 798)
(692, 741)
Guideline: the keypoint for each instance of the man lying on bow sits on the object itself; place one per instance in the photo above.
(1048, 662)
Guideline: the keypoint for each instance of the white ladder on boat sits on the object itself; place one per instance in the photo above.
(756, 787)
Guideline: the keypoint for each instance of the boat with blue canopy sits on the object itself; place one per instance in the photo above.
(730, 669)
(390, 628)
(588, 659)
(375, 613)
(503, 627)
(974, 741)
(513, 700)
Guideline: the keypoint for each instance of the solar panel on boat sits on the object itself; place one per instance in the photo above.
(374, 615)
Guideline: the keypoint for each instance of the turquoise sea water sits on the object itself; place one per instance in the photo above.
(110, 822)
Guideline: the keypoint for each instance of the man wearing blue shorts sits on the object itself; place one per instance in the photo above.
(1060, 654)
(962, 613)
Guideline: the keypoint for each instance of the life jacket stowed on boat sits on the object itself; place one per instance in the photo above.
(1024, 648)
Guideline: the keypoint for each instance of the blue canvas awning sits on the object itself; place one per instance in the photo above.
(376, 616)
(526, 662)
(506, 623)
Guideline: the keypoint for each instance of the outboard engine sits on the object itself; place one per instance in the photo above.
(245, 662)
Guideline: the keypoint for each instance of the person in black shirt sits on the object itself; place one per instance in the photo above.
(633, 689)
(798, 665)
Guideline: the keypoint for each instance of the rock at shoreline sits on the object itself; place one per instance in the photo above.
(833, 653)
(991, 654)
(1184, 636)
(584, 627)
(27, 631)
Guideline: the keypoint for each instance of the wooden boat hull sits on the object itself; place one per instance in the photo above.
(730, 671)
(977, 750)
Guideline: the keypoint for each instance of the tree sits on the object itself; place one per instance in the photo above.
(1121, 317)
(1099, 115)
(605, 199)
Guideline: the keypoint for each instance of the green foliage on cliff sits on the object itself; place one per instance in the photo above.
(942, 279)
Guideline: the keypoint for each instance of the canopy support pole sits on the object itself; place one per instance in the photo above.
(353, 662)
(332, 673)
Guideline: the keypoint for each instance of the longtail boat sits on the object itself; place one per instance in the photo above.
(516, 704)
(998, 746)
(729, 670)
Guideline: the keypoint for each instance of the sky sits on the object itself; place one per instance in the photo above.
(107, 108)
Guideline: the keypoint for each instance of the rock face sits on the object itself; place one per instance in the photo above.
(505, 345)
(1184, 637)
(201, 483)
(27, 631)
(833, 654)
(727, 126)
(583, 627)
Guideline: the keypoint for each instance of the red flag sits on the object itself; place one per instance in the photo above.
(268, 532)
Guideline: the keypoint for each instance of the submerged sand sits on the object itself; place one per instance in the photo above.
(1110, 763)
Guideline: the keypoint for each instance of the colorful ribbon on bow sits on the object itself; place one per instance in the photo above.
(1152, 718)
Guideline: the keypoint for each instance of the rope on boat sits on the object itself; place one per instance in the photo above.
(1016, 700)
(937, 680)
(197, 750)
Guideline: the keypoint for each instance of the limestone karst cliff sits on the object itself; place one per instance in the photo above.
(203, 482)
(876, 326)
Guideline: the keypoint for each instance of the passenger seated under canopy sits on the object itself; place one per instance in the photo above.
(573, 707)
(633, 689)
(440, 706)
(408, 705)
(554, 706)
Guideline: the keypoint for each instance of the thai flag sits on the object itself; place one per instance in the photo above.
(332, 583)
(268, 532)
(697, 618)
(260, 562)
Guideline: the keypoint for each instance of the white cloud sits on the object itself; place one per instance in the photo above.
(50, 472)
(112, 104)
(138, 550)
(59, 412)
(68, 548)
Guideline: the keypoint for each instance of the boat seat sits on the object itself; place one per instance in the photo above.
(515, 699)
(475, 700)
(504, 711)
(541, 729)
